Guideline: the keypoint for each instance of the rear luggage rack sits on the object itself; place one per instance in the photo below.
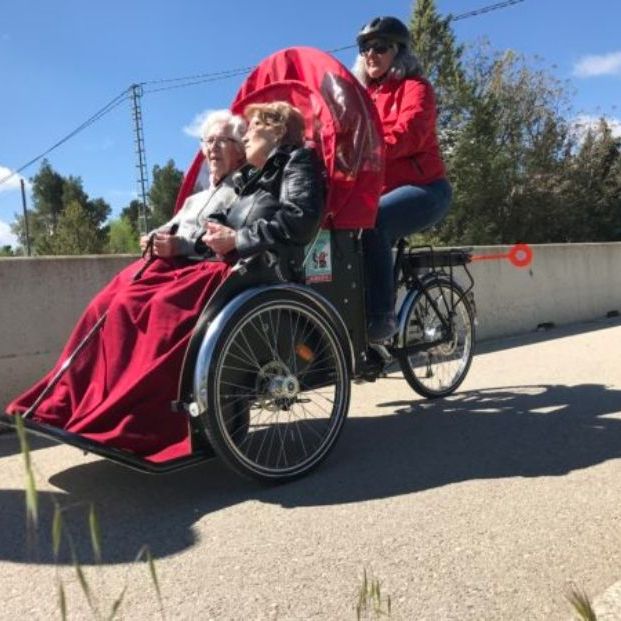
(419, 261)
(426, 257)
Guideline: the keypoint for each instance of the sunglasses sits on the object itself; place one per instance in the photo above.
(377, 48)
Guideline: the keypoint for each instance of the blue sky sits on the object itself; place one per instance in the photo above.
(62, 61)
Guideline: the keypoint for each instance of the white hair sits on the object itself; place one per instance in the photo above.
(404, 65)
(236, 124)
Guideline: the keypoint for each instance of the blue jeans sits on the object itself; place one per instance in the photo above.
(402, 211)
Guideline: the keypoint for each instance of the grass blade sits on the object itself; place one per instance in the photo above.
(117, 604)
(32, 501)
(581, 603)
(57, 529)
(156, 583)
(62, 601)
(371, 603)
(85, 588)
(145, 554)
(95, 530)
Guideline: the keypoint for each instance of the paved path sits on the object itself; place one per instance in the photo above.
(484, 506)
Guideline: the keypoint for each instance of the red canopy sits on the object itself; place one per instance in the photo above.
(341, 122)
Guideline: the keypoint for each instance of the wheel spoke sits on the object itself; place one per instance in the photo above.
(253, 365)
(240, 369)
(249, 349)
(228, 383)
(265, 339)
(294, 331)
(282, 451)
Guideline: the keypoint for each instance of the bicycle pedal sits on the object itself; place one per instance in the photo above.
(381, 351)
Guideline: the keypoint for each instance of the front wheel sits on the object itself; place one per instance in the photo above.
(278, 388)
(441, 339)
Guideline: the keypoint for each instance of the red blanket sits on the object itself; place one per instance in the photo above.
(119, 389)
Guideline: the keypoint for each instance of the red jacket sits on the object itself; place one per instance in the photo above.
(407, 109)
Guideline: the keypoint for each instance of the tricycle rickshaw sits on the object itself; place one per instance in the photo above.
(265, 382)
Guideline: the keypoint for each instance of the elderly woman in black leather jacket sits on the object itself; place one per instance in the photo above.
(280, 193)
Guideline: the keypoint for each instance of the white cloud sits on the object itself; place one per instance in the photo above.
(12, 183)
(604, 64)
(582, 123)
(6, 237)
(194, 127)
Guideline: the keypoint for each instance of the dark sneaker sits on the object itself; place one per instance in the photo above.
(382, 328)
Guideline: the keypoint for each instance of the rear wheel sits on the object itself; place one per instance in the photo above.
(278, 388)
(446, 348)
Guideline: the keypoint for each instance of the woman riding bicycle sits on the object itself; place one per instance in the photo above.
(416, 193)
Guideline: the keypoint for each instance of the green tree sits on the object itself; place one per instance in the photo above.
(123, 237)
(51, 195)
(592, 185)
(517, 173)
(435, 46)
(75, 233)
(508, 158)
(47, 194)
(163, 193)
(7, 251)
(131, 213)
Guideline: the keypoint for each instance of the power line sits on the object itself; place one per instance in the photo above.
(119, 99)
(198, 76)
(453, 18)
(202, 78)
(485, 9)
(222, 75)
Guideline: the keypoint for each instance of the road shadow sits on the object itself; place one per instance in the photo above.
(9, 444)
(524, 431)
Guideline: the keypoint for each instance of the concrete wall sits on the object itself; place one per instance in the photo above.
(43, 297)
(41, 300)
(565, 283)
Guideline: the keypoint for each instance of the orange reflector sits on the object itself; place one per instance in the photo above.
(520, 255)
(305, 352)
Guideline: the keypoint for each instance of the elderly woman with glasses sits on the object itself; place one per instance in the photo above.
(120, 388)
(221, 144)
(416, 193)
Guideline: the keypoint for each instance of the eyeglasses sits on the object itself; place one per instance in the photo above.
(217, 141)
(378, 48)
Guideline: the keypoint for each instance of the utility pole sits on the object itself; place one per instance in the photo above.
(141, 164)
(25, 209)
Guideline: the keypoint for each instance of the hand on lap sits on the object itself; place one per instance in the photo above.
(165, 245)
(221, 239)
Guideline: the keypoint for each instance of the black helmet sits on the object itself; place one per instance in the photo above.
(389, 29)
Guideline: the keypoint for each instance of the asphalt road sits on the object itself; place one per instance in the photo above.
(488, 505)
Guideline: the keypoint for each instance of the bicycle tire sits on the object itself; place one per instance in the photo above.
(439, 370)
(278, 390)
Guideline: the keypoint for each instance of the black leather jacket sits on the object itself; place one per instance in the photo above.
(278, 208)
